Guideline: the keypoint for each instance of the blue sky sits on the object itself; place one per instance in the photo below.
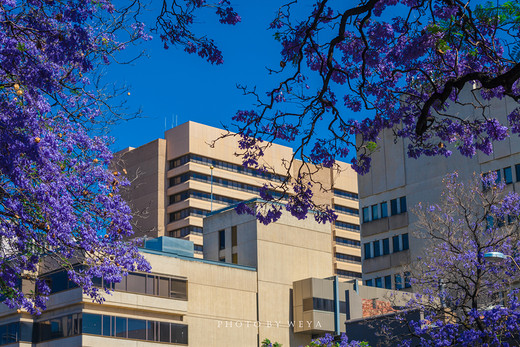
(171, 86)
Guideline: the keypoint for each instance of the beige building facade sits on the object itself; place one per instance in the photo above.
(178, 180)
(397, 183)
(275, 290)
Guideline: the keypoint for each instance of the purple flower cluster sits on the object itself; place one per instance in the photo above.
(59, 199)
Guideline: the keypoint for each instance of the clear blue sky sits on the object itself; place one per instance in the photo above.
(173, 86)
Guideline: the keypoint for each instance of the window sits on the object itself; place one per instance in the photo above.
(368, 253)
(393, 207)
(384, 209)
(348, 274)
(377, 249)
(375, 212)
(347, 210)
(405, 241)
(348, 258)
(345, 194)
(395, 244)
(233, 236)
(198, 249)
(366, 216)
(346, 226)
(499, 176)
(407, 283)
(508, 176)
(388, 282)
(221, 239)
(369, 283)
(386, 246)
(379, 282)
(398, 282)
(517, 171)
(234, 258)
(349, 242)
(402, 201)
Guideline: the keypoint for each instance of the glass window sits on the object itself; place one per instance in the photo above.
(107, 326)
(136, 329)
(398, 282)
(407, 283)
(368, 253)
(508, 176)
(136, 283)
(222, 239)
(405, 241)
(517, 171)
(384, 209)
(386, 246)
(402, 204)
(388, 282)
(91, 324)
(377, 250)
(121, 328)
(164, 332)
(375, 212)
(151, 331)
(366, 215)
(369, 283)
(379, 282)
(150, 284)
(234, 235)
(121, 285)
(179, 333)
(234, 258)
(393, 207)
(499, 176)
(164, 289)
(395, 244)
(178, 289)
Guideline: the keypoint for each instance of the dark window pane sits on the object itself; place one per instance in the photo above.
(234, 236)
(368, 254)
(369, 283)
(164, 332)
(150, 287)
(13, 330)
(405, 242)
(375, 212)
(222, 239)
(393, 207)
(91, 324)
(407, 283)
(136, 329)
(179, 333)
(386, 246)
(106, 326)
(388, 282)
(136, 283)
(121, 327)
(384, 209)
(377, 250)
(395, 243)
(508, 176)
(517, 170)
(398, 282)
(366, 215)
(58, 281)
(379, 282)
(151, 331)
(499, 176)
(178, 289)
(76, 323)
(26, 331)
(403, 204)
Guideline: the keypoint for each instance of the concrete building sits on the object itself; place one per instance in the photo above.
(397, 183)
(177, 180)
(274, 291)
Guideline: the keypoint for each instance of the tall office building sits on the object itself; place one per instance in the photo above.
(397, 183)
(177, 180)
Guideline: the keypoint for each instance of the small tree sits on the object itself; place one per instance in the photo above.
(466, 299)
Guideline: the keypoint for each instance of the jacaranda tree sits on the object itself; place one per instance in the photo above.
(468, 300)
(58, 198)
(348, 70)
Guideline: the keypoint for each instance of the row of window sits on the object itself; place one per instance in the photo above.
(224, 165)
(186, 231)
(195, 194)
(386, 282)
(219, 182)
(349, 242)
(346, 210)
(321, 304)
(348, 274)
(15, 332)
(198, 249)
(137, 329)
(377, 211)
(345, 194)
(348, 258)
(382, 247)
(187, 212)
(346, 226)
(149, 284)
